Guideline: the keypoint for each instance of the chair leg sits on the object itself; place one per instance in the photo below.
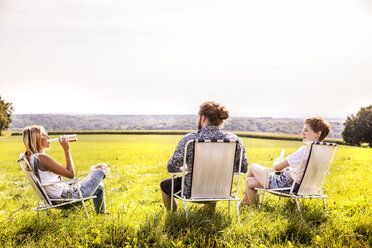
(172, 195)
(237, 209)
(325, 205)
(85, 208)
(229, 209)
(262, 199)
(298, 205)
(82, 201)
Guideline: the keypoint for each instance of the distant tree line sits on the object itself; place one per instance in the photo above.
(159, 122)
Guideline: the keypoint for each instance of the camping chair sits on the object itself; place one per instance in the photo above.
(212, 173)
(44, 200)
(311, 174)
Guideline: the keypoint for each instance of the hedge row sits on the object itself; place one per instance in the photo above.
(181, 132)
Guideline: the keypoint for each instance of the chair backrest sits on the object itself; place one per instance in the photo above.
(316, 169)
(213, 169)
(34, 181)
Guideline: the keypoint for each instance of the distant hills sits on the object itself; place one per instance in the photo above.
(54, 122)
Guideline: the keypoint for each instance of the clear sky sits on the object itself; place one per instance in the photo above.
(259, 58)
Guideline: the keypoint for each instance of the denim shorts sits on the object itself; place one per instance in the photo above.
(283, 180)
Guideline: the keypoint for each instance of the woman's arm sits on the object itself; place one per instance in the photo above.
(46, 163)
(280, 165)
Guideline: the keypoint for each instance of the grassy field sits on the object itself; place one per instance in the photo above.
(137, 219)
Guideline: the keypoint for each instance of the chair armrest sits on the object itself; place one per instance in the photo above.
(176, 174)
(179, 173)
(74, 180)
(239, 173)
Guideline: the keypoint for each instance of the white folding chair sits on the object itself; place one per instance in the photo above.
(44, 200)
(212, 173)
(311, 174)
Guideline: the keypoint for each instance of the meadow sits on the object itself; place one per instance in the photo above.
(138, 219)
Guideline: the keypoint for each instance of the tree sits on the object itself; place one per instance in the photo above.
(358, 128)
(6, 110)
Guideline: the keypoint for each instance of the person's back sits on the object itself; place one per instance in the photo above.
(210, 119)
(206, 133)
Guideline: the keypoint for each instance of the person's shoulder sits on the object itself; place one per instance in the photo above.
(43, 157)
(187, 137)
(232, 136)
(300, 151)
(302, 148)
(190, 136)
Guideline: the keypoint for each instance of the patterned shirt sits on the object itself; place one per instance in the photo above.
(208, 132)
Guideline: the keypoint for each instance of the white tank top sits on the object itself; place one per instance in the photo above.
(53, 191)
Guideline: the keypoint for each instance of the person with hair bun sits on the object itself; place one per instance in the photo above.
(210, 118)
(315, 129)
(36, 140)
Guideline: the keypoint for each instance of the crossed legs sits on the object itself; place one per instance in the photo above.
(256, 177)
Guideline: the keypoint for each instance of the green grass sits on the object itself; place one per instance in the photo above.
(138, 219)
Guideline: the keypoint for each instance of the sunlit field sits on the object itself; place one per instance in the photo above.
(138, 219)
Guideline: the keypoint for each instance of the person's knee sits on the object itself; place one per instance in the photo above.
(100, 188)
(162, 185)
(255, 167)
(258, 170)
(250, 183)
(166, 186)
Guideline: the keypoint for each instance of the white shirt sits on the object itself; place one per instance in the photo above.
(295, 160)
(53, 191)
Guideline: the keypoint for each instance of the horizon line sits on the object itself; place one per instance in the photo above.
(334, 118)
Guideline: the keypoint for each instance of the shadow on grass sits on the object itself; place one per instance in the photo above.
(288, 224)
(312, 211)
(202, 228)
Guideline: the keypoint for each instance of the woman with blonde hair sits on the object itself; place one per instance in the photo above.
(36, 139)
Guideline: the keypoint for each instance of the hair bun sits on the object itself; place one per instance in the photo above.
(215, 112)
(223, 113)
